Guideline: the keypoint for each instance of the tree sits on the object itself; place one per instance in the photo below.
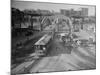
(17, 17)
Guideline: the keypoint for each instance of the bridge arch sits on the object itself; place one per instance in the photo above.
(55, 19)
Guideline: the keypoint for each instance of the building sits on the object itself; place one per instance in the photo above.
(43, 12)
(72, 12)
(84, 11)
(65, 12)
(75, 13)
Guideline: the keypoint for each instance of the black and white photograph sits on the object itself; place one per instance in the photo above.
(52, 37)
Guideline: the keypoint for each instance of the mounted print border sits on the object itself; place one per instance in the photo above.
(52, 37)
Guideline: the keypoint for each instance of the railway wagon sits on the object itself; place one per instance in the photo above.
(42, 45)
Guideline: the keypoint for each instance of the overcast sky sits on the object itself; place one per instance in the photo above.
(49, 6)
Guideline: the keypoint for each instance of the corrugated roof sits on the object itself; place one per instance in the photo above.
(44, 40)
